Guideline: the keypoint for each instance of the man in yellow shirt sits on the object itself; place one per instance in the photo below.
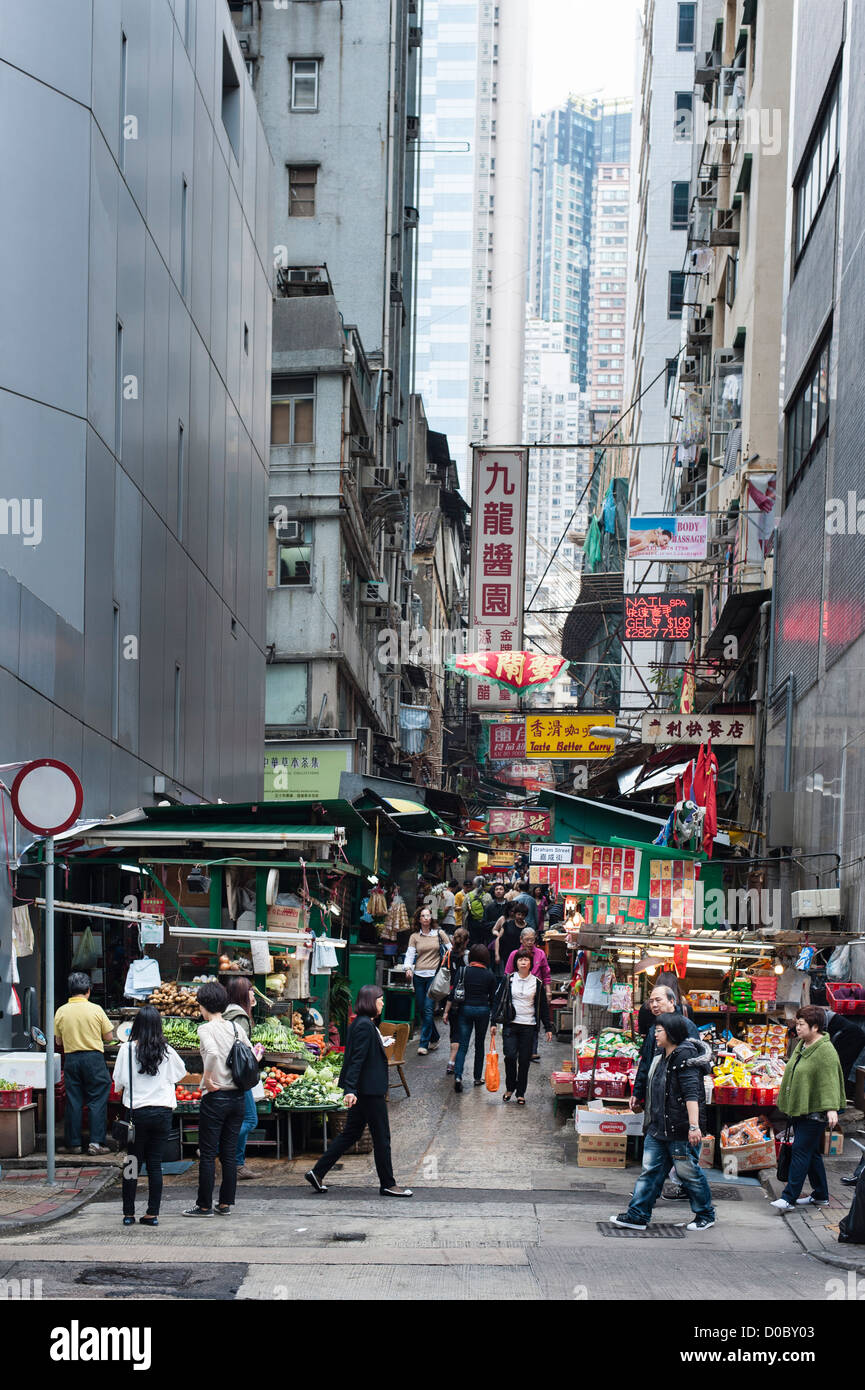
(459, 894)
(83, 1029)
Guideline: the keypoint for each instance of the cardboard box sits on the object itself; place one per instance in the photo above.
(748, 1157)
(833, 1143)
(601, 1152)
(609, 1121)
(192, 1080)
(562, 1083)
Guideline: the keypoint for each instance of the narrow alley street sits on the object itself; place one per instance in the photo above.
(501, 1211)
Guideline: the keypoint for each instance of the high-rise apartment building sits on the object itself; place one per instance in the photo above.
(473, 205)
(609, 293)
(337, 88)
(568, 146)
(660, 178)
(133, 411)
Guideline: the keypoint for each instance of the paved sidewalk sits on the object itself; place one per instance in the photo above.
(816, 1228)
(28, 1201)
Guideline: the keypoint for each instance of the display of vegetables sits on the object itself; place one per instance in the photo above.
(275, 1038)
(173, 1001)
(316, 1086)
(181, 1033)
(10, 1085)
(187, 1095)
(276, 1081)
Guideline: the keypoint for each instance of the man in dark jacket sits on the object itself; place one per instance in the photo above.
(673, 1126)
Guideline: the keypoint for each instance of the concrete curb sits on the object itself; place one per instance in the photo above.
(803, 1232)
(12, 1224)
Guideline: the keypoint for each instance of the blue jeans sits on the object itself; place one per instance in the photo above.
(250, 1120)
(658, 1156)
(806, 1161)
(425, 1011)
(473, 1018)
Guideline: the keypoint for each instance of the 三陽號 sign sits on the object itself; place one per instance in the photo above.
(659, 617)
(568, 736)
(503, 820)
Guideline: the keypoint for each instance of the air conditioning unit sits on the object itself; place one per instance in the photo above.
(289, 531)
(690, 369)
(373, 591)
(816, 902)
(411, 217)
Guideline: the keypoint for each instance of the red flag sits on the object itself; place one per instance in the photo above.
(683, 789)
(710, 823)
(700, 778)
(680, 958)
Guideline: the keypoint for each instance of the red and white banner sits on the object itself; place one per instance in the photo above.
(498, 563)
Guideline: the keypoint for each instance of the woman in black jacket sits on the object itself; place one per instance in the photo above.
(364, 1080)
(477, 983)
(522, 1006)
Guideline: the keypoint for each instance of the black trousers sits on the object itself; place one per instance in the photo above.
(367, 1110)
(88, 1082)
(518, 1045)
(219, 1121)
(152, 1128)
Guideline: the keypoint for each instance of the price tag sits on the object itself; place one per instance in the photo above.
(260, 956)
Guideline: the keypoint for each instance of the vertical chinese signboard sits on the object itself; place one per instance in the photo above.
(499, 488)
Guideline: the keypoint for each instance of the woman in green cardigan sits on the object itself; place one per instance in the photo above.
(812, 1093)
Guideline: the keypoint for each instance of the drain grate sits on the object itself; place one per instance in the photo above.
(348, 1235)
(659, 1232)
(725, 1194)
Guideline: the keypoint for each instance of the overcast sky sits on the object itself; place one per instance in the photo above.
(582, 46)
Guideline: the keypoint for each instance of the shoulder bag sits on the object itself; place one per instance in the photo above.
(123, 1130)
(242, 1063)
(440, 986)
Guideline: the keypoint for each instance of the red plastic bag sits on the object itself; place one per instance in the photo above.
(491, 1071)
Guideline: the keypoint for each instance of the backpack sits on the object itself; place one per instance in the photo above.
(242, 1063)
(476, 905)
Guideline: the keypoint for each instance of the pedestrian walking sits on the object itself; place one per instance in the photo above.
(673, 1127)
(506, 936)
(812, 1094)
(222, 1108)
(456, 960)
(476, 905)
(540, 968)
(521, 1007)
(83, 1029)
(661, 1001)
(523, 899)
(459, 893)
(241, 1002)
(646, 1017)
(493, 911)
(479, 984)
(426, 947)
(364, 1079)
(146, 1073)
(539, 893)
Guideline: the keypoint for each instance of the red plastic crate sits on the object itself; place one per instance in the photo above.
(844, 1006)
(16, 1100)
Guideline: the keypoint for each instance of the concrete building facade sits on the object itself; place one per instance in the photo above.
(133, 407)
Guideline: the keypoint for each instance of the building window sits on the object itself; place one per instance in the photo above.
(230, 100)
(184, 213)
(680, 205)
(286, 693)
(675, 294)
(118, 389)
(301, 189)
(817, 169)
(683, 116)
(292, 410)
(670, 380)
(295, 560)
(687, 27)
(304, 84)
(807, 420)
(181, 477)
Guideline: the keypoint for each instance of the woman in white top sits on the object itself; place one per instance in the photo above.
(521, 1006)
(146, 1072)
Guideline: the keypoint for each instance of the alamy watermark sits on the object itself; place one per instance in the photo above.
(22, 516)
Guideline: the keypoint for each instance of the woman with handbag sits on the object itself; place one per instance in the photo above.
(456, 960)
(473, 991)
(812, 1094)
(521, 1006)
(364, 1079)
(146, 1073)
(241, 1001)
(426, 947)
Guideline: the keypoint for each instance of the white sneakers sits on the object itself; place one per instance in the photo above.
(422, 1051)
(782, 1205)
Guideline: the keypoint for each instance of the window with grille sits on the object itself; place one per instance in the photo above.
(302, 180)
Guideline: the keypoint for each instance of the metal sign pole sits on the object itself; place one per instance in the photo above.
(49, 1006)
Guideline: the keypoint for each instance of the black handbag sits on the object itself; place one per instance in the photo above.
(123, 1130)
(242, 1063)
(784, 1155)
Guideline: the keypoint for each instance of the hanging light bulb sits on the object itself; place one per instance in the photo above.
(779, 969)
(651, 969)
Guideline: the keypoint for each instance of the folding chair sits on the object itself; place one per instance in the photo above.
(396, 1054)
